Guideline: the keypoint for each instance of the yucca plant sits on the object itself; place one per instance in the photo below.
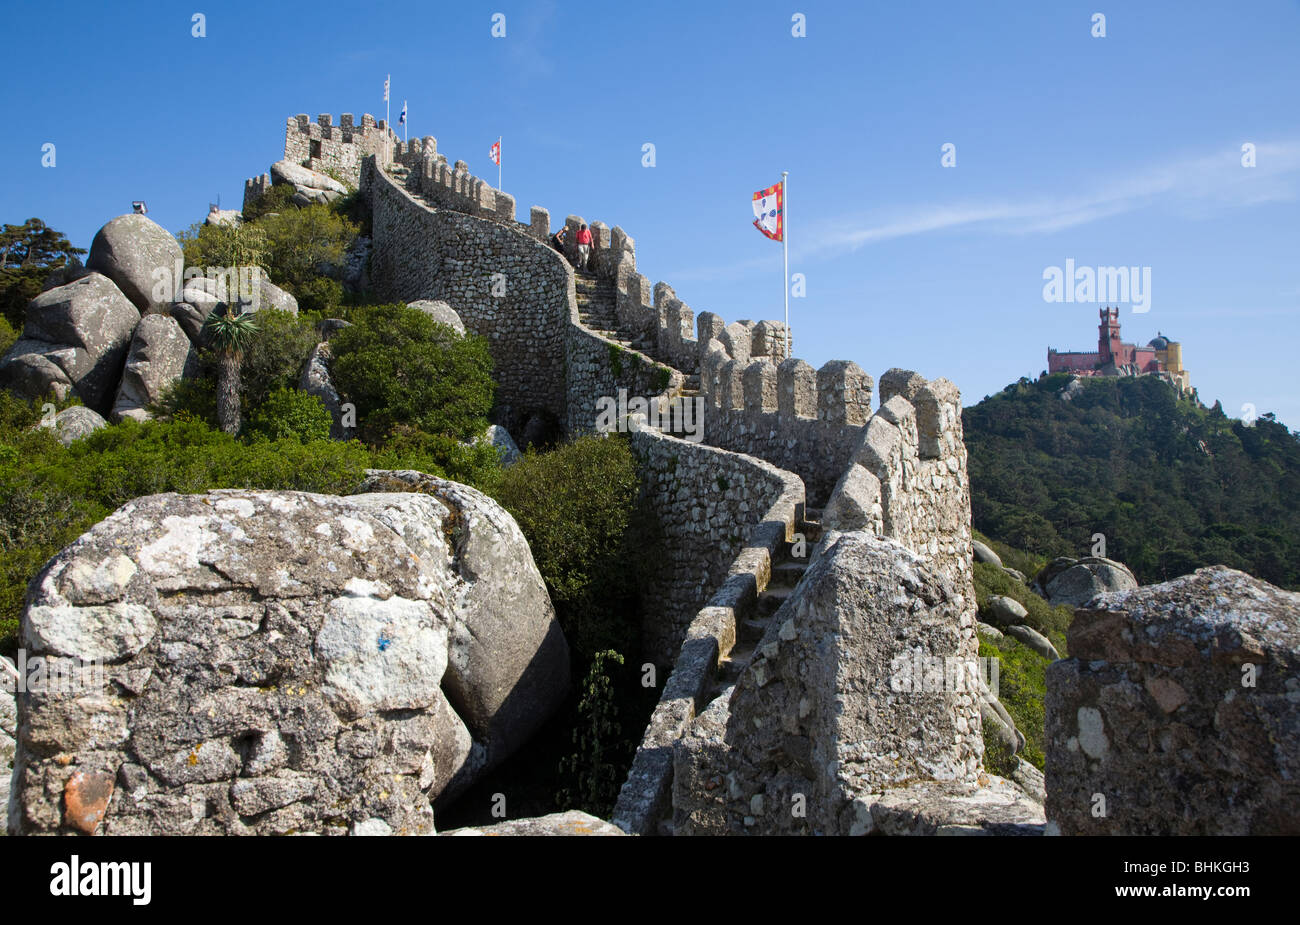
(229, 333)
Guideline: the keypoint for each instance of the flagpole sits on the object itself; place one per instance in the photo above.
(785, 253)
(406, 125)
(388, 121)
(499, 159)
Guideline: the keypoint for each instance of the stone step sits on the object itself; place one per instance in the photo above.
(787, 574)
(752, 630)
(771, 600)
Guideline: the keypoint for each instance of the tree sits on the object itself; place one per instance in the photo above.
(229, 335)
(28, 252)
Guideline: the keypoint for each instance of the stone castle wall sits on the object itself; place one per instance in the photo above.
(424, 253)
(325, 147)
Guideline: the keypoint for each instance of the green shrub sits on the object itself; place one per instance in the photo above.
(400, 367)
(51, 494)
(276, 356)
(290, 414)
(276, 199)
(321, 296)
(1052, 622)
(577, 506)
(476, 464)
(595, 768)
(188, 400)
(300, 241)
(1022, 689)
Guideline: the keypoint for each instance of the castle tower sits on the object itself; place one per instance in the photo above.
(1109, 346)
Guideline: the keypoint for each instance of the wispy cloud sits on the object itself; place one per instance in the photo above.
(1196, 186)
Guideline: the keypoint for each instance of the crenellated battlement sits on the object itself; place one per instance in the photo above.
(340, 149)
(451, 186)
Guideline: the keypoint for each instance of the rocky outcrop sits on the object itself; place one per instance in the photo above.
(75, 339)
(253, 293)
(441, 312)
(500, 438)
(1006, 611)
(73, 423)
(1074, 582)
(309, 185)
(280, 662)
(160, 354)
(224, 217)
(983, 553)
(509, 665)
(1178, 712)
(315, 380)
(866, 680)
(572, 822)
(141, 257)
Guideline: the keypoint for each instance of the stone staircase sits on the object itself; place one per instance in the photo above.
(787, 570)
(597, 312)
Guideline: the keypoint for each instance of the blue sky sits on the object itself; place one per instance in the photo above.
(1122, 150)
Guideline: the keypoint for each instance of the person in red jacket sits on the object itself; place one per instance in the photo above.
(584, 246)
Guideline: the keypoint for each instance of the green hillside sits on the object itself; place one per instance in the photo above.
(1172, 485)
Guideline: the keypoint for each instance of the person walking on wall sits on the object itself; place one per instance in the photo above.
(584, 246)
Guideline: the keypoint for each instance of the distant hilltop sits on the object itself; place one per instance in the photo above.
(1161, 357)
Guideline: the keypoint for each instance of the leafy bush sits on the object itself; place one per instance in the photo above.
(321, 296)
(290, 414)
(276, 199)
(476, 464)
(224, 245)
(51, 494)
(1022, 689)
(400, 367)
(301, 243)
(577, 506)
(276, 356)
(188, 400)
(595, 768)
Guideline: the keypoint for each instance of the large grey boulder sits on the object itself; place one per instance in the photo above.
(141, 257)
(309, 185)
(1035, 640)
(315, 380)
(499, 437)
(440, 311)
(70, 272)
(160, 355)
(509, 664)
(71, 424)
(275, 662)
(75, 339)
(1005, 611)
(867, 678)
(252, 290)
(983, 553)
(1074, 582)
(1178, 712)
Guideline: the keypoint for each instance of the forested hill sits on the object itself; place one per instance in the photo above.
(1172, 485)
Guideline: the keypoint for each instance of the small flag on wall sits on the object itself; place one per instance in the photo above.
(495, 152)
(769, 212)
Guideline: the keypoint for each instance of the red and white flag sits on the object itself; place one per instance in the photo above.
(495, 152)
(769, 212)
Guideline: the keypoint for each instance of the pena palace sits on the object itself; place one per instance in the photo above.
(1162, 357)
